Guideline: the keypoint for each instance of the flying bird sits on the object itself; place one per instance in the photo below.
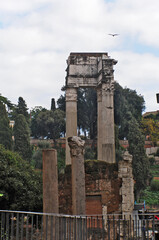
(113, 35)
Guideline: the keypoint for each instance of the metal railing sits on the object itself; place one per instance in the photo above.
(39, 226)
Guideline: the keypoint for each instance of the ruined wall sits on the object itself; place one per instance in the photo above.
(102, 189)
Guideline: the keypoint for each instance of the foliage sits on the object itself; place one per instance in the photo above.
(37, 161)
(127, 104)
(53, 107)
(20, 185)
(5, 130)
(154, 185)
(37, 154)
(119, 150)
(87, 111)
(157, 153)
(61, 103)
(150, 197)
(140, 160)
(154, 170)
(60, 157)
(150, 127)
(152, 160)
(35, 131)
(90, 153)
(51, 124)
(22, 137)
(7, 102)
(22, 108)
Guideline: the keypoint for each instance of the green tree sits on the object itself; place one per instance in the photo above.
(37, 154)
(7, 102)
(5, 130)
(22, 137)
(22, 108)
(140, 162)
(20, 185)
(51, 124)
(61, 103)
(127, 104)
(35, 130)
(87, 111)
(53, 105)
(150, 127)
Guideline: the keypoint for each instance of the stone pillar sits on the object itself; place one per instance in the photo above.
(107, 85)
(71, 118)
(78, 175)
(99, 124)
(50, 181)
(127, 194)
(108, 137)
(127, 188)
(50, 191)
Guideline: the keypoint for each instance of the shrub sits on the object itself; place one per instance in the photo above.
(154, 185)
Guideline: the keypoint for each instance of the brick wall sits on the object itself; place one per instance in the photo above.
(102, 188)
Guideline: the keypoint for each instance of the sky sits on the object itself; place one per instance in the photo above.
(37, 36)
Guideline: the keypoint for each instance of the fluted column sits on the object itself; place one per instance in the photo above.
(99, 123)
(71, 118)
(108, 144)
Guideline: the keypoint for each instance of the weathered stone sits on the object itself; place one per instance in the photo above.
(127, 188)
(92, 70)
(50, 181)
(101, 183)
(50, 190)
(78, 175)
(71, 116)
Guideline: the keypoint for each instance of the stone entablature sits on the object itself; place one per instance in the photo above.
(93, 70)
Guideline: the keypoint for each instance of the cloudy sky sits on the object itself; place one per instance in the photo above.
(37, 36)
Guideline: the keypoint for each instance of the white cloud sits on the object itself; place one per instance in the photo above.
(36, 37)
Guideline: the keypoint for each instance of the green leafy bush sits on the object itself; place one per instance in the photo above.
(154, 185)
(150, 197)
(20, 184)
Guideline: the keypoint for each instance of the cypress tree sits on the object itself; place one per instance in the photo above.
(22, 108)
(5, 130)
(140, 162)
(22, 137)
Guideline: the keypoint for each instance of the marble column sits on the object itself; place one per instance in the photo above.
(50, 192)
(108, 137)
(78, 175)
(71, 118)
(99, 124)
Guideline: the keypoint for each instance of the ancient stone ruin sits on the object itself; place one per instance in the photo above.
(92, 187)
(92, 70)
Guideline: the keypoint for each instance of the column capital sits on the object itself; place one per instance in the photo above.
(108, 86)
(71, 94)
(76, 145)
